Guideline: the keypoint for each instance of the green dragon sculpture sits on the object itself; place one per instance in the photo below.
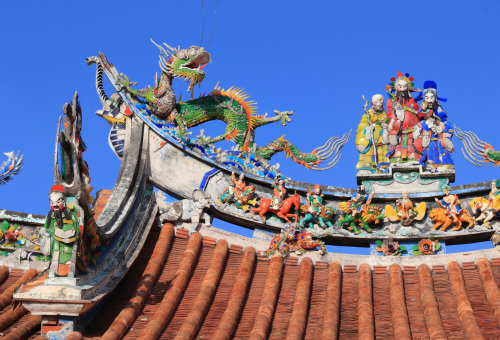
(230, 106)
(474, 148)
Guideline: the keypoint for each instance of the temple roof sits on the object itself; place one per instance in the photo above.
(299, 296)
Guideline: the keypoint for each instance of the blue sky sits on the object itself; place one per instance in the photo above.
(316, 58)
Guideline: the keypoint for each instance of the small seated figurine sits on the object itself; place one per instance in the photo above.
(488, 208)
(405, 211)
(450, 212)
(62, 230)
(238, 193)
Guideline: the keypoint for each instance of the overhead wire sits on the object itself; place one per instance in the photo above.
(215, 19)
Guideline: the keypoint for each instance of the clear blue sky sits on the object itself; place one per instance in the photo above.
(316, 58)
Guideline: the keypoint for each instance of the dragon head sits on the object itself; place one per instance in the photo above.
(186, 63)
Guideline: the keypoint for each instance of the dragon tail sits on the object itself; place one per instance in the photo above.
(330, 151)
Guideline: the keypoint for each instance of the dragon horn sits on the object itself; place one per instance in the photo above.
(162, 50)
(170, 48)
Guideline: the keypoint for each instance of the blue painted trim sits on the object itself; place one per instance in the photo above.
(206, 177)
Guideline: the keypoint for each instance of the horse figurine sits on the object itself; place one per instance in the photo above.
(282, 212)
(486, 209)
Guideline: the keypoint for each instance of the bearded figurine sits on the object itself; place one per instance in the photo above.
(405, 212)
(372, 136)
(61, 231)
(437, 130)
(405, 142)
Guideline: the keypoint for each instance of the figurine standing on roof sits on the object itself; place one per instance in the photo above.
(437, 130)
(63, 227)
(372, 137)
(405, 143)
(278, 194)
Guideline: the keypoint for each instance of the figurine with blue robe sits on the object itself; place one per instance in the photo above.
(437, 129)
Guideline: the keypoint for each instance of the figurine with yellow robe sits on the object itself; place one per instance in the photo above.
(372, 136)
(405, 211)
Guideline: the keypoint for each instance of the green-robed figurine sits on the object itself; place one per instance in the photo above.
(62, 225)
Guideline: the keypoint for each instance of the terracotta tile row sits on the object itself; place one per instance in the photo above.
(276, 299)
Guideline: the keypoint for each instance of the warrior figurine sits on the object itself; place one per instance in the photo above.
(63, 227)
(405, 211)
(371, 136)
(278, 194)
(404, 125)
(315, 200)
(359, 199)
(437, 130)
(238, 192)
(489, 208)
(451, 203)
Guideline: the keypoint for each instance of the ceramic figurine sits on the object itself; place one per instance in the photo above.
(450, 212)
(405, 211)
(62, 230)
(437, 130)
(372, 136)
(189, 210)
(488, 208)
(495, 240)
(316, 211)
(279, 194)
(238, 193)
(405, 143)
(283, 212)
(288, 241)
(358, 209)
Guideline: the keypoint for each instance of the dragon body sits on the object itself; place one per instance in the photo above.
(230, 106)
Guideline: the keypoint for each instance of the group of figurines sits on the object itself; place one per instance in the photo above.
(405, 132)
(359, 211)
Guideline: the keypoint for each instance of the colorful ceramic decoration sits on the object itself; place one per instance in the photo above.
(62, 226)
(389, 248)
(359, 210)
(451, 212)
(188, 210)
(405, 211)
(288, 241)
(316, 212)
(474, 147)
(437, 130)
(160, 107)
(11, 167)
(487, 209)
(372, 136)
(71, 171)
(426, 247)
(283, 212)
(405, 143)
(238, 193)
(495, 240)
